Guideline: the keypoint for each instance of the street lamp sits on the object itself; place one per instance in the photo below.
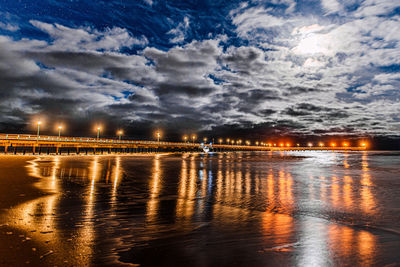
(158, 134)
(59, 131)
(185, 138)
(120, 132)
(205, 139)
(98, 132)
(227, 140)
(364, 144)
(220, 141)
(193, 138)
(38, 129)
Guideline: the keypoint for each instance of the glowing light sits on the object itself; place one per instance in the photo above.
(321, 144)
(281, 144)
(310, 144)
(363, 144)
(287, 144)
(333, 144)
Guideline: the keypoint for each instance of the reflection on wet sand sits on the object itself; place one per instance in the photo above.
(228, 191)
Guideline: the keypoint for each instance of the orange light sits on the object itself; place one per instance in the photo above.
(363, 144)
(321, 144)
(281, 144)
(345, 144)
(310, 144)
(333, 144)
(287, 144)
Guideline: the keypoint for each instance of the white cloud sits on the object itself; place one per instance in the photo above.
(66, 38)
(180, 31)
(248, 20)
(331, 6)
(375, 8)
(9, 27)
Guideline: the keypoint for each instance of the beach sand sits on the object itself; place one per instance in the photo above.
(17, 187)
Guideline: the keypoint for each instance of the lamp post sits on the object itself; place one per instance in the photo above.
(205, 139)
(193, 138)
(59, 132)
(98, 132)
(120, 132)
(220, 141)
(158, 134)
(185, 138)
(38, 129)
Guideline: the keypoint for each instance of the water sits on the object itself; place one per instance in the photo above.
(223, 209)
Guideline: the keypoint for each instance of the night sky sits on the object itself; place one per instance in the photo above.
(256, 69)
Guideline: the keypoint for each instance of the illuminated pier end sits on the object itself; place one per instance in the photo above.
(22, 143)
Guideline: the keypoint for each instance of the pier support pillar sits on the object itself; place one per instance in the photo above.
(77, 150)
(5, 149)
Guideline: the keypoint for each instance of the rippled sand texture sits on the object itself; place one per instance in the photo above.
(224, 209)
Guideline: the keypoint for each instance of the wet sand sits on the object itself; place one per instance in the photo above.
(16, 187)
(223, 209)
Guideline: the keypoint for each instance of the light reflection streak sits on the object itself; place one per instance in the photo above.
(38, 217)
(154, 189)
(117, 172)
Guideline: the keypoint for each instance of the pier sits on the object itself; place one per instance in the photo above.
(33, 144)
